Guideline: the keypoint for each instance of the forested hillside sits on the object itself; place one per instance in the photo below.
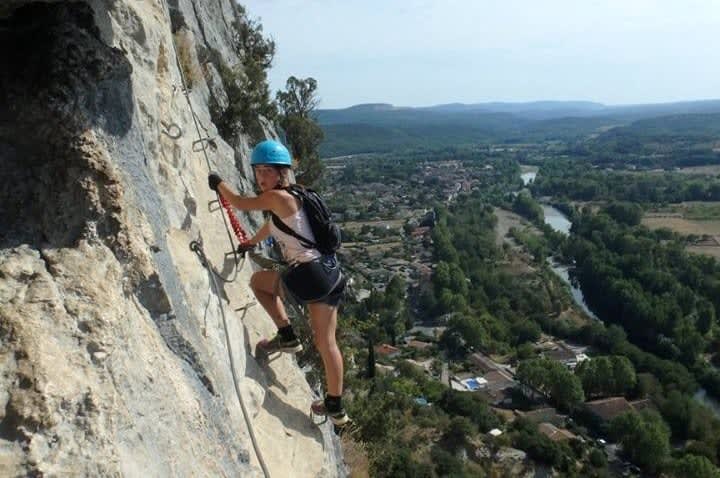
(616, 130)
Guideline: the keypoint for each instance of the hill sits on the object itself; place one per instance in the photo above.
(383, 127)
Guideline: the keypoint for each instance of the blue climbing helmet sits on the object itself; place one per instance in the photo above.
(271, 152)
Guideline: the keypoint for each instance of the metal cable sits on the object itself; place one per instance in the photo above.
(196, 247)
(207, 160)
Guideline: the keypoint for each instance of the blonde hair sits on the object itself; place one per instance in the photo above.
(285, 175)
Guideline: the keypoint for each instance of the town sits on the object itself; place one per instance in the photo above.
(387, 224)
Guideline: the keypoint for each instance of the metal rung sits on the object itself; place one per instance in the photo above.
(246, 307)
(173, 130)
(210, 141)
(233, 253)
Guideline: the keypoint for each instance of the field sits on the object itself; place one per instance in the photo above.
(711, 170)
(517, 262)
(676, 222)
(712, 251)
(507, 220)
(680, 218)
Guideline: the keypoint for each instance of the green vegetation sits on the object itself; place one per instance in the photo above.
(579, 181)
(663, 297)
(606, 376)
(645, 438)
(663, 142)
(645, 137)
(658, 304)
(525, 436)
(304, 136)
(245, 84)
(553, 380)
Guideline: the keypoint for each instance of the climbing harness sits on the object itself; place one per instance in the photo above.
(196, 247)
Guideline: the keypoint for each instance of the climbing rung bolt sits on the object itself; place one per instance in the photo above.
(246, 307)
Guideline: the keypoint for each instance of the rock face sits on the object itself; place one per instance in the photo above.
(114, 358)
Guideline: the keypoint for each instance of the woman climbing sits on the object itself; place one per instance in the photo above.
(313, 278)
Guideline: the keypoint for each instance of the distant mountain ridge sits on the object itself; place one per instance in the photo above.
(383, 127)
(552, 109)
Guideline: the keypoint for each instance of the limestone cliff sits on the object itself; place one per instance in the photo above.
(113, 354)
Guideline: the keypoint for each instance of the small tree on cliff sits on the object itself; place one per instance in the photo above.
(302, 131)
(245, 84)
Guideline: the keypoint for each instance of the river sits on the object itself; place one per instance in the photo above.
(559, 222)
(564, 274)
(555, 219)
(528, 177)
(712, 403)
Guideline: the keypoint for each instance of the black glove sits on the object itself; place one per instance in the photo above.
(244, 247)
(213, 180)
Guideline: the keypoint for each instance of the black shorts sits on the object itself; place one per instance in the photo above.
(319, 280)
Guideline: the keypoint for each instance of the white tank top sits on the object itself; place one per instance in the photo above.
(293, 251)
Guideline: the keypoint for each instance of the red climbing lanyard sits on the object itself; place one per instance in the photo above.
(239, 231)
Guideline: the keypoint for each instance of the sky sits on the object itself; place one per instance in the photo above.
(428, 52)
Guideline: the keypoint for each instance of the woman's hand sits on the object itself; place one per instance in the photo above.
(214, 180)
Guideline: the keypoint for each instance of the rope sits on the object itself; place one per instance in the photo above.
(239, 231)
(196, 247)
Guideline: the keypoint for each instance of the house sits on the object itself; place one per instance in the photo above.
(543, 415)
(430, 331)
(554, 433)
(419, 345)
(483, 362)
(384, 369)
(499, 389)
(642, 404)
(496, 380)
(578, 358)
(386, 350)
(560, 352)
(420, 231)
(425, 366)
(608, 408)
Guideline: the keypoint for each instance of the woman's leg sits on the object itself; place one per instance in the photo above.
(266, 286)
(323, 320)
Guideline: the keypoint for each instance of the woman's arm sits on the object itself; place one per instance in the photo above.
(263, 202)
(278, 201)
(262, 234)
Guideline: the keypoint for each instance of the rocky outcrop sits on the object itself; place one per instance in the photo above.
(114, 358)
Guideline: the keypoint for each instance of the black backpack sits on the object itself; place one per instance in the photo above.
(326, 232)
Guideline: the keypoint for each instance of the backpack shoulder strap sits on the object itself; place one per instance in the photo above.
(288, 230)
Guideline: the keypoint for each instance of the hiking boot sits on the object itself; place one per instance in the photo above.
(338, 418)
(280, 344)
